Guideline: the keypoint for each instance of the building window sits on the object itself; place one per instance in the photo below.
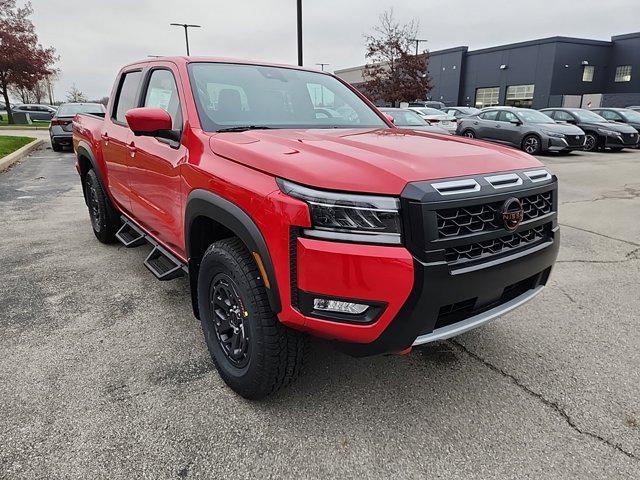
(520, 96)
(487, 97)
(587, 73)
(623, 73)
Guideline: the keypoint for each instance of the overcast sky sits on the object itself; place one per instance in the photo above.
(94, 38)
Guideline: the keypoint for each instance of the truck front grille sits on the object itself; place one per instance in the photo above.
(453, 222)
(478, 250)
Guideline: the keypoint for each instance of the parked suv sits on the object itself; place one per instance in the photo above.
(530, 130)
(600, 133)
(37, 113)
(288, 223)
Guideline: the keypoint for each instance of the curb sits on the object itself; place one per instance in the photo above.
(6, 162)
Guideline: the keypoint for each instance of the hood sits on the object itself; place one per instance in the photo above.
(373, 161)
(616, 127)
(565, 128)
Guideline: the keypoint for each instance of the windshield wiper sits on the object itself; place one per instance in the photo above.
(243, 128)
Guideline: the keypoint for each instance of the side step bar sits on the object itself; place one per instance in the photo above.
(130, 235)
(162, 263)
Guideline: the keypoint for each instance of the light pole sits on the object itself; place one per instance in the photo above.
(299, 14)
(322, 65)
(186, 26)
(417, 40)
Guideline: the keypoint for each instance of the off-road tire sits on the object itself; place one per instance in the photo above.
(104, 220)
(275, 353)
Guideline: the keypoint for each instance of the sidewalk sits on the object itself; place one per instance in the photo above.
(42, 134)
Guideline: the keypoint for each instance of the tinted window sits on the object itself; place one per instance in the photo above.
(563, 116)
(492, 115)
(507, 117)
(587, 116)
(162, 92)
(70, 109)
(126, 96)
(609, 115)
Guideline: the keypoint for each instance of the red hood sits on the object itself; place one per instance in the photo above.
(374, 161)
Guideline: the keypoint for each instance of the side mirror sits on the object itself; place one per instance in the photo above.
(150, 122)
(515, 121)
(389, 118)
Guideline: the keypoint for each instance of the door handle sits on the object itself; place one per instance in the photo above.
(132, 149)
(105, 137)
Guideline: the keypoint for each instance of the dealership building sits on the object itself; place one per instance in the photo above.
(550, 72)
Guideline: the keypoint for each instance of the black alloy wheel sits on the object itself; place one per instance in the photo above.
(591, 142)
(228, 320)
(531, 145)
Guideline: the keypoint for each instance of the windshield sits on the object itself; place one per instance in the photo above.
(406, 118)
(70, 109)
(233, 95)
(631, 115)
(587, 116)
(533, 116)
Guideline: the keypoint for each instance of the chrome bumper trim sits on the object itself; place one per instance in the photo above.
(477, 320)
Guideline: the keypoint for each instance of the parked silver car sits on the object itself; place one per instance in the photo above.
(405, 118)
(37, 112)
(437, 117)
(530, 130)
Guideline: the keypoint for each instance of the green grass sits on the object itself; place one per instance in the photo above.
(11, 144)
(4, 123)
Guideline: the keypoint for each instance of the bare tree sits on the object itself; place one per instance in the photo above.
(394, 74)
(75, 95)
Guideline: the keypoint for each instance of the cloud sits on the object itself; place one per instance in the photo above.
(95, 38)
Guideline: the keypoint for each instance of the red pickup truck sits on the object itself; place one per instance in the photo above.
(295, 207)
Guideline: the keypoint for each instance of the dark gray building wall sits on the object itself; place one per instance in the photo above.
(526, 63)
(625, 51)
(445, 68)
(568, 69)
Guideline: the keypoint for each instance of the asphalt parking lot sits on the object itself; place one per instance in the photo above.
(104, 372)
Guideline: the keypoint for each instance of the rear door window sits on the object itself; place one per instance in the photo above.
(492, 115)
(126, 96)
(563, 116)
(507, 117)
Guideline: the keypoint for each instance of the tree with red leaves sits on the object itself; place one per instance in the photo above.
(395, 75)
(23, 61)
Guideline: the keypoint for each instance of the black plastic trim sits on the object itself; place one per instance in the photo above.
(221, 210)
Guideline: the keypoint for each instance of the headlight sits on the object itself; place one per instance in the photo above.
(610, 133)
(348, 217)
(554, 134)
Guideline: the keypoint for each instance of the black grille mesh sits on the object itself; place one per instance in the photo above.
(473, 251)
(453, 222)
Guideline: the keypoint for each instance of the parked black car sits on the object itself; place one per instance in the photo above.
(527, 129)
(600, 132)
(61, 128)
(620, 115)
(37, 113)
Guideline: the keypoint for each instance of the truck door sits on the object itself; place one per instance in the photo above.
(154, 168)
(115, 138)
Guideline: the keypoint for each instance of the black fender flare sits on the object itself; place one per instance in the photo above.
(83, 149)
(208, 204)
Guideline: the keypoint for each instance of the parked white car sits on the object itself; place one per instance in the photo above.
(437, 118)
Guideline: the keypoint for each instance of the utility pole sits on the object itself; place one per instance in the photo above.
(417, 40)
(322, 65)
(186, 27)
(299, 5)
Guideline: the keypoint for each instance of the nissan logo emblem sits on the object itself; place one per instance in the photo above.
(512, 213)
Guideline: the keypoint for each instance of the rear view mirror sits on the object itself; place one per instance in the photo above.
(150, 122)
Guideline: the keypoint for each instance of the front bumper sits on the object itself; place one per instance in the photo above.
(621, 141)
(423, 292)
(556, 144)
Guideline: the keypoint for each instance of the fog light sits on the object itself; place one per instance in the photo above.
(338, 306)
